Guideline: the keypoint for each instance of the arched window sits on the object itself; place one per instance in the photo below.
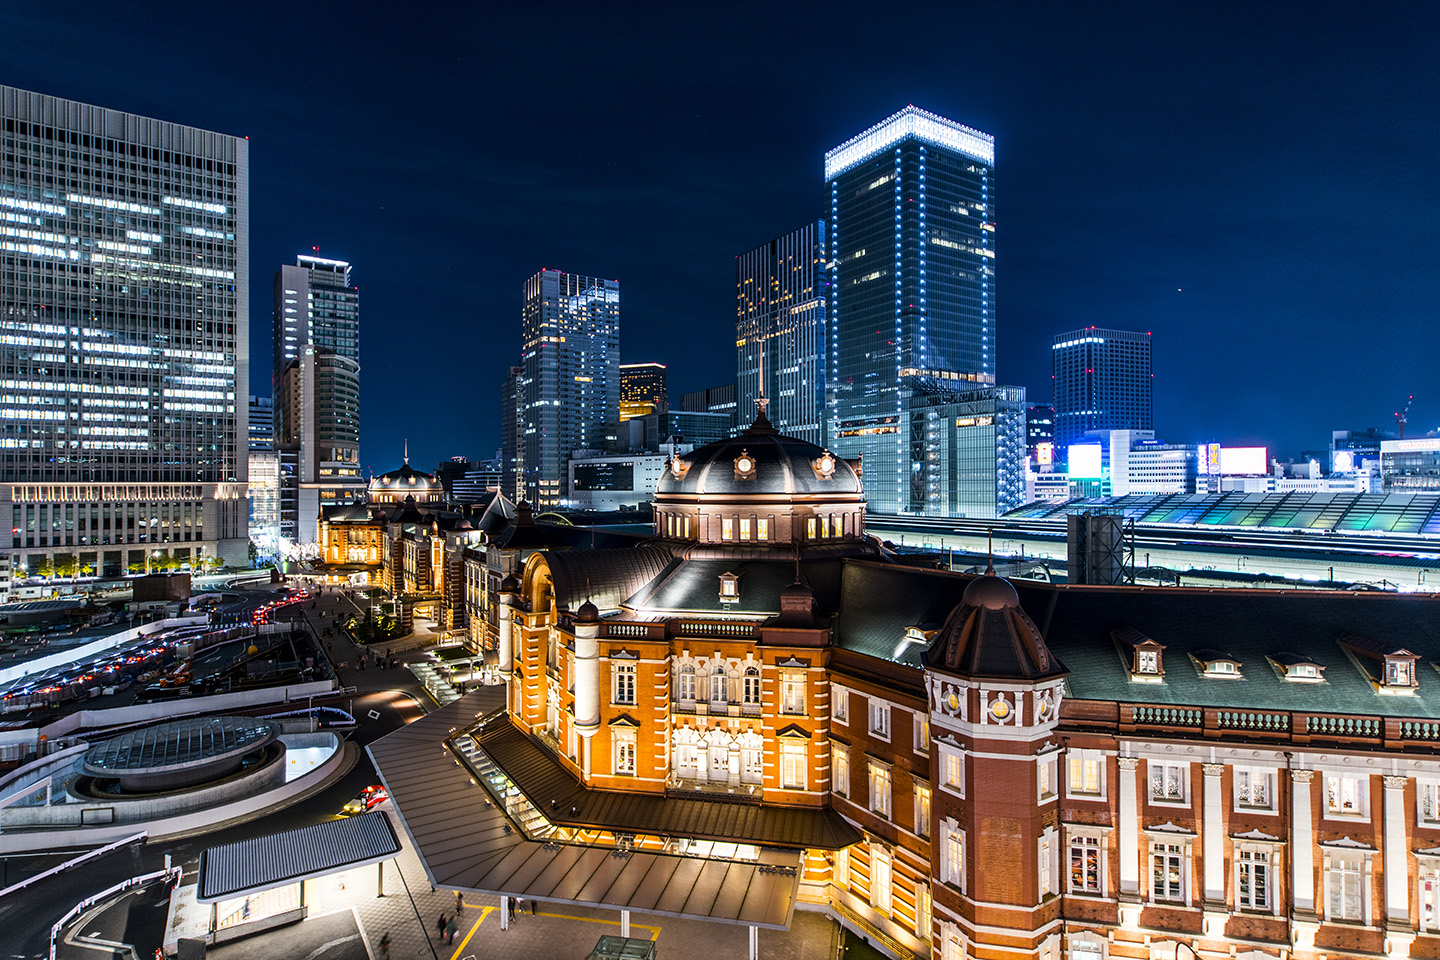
(686, 682)
(750, 694)
(718, 682)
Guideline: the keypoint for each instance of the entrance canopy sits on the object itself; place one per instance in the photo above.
(253, 866)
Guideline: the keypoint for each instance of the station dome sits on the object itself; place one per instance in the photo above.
(395, 486)
(760, 461)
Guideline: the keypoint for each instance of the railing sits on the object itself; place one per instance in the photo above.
(1419, 730)
(173, 873)
(641, 631)
(714, 628)
(1267, 722)
(1343, 726)
(1168, 716)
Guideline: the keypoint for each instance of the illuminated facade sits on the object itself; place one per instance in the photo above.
(912, 293)
(124, 277)
(969, 767)
(317, 383)
(568, 391)
(642, 390)
(1103, 381)
(781, 293)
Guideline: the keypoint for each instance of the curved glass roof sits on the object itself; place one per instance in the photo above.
(179, 743)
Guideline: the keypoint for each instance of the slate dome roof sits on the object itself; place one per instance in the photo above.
(779, 465)
(990, 635)
(406, 481)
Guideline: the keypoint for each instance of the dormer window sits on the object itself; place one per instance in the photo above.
(1400, 672)
(1297, 668)
(1215, 663)
(1148, 665)
(729, 588)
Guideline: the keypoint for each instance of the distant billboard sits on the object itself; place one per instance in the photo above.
(1244, 461)
(1044, 453)
(1085, 461)
(1344, 461)
(1207, 459)
(604, 475)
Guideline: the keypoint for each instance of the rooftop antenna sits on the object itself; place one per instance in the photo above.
(990, 547)
(762, 401)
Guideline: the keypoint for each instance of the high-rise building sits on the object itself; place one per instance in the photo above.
(264, 484)
(510, 432)
(642, 390)
(912, 296)
(719, 399)
(974, 450)
(262, 423)
(317, 383)
(1102, 381)
(124, 284)
(1039, 429)
(781, 290)
(569, 388)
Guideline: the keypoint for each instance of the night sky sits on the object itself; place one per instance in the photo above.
(1254, 183)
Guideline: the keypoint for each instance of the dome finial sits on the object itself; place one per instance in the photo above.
(990, 545)
(407, 451)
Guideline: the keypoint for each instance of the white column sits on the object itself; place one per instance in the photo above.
(1397, 867)
(587, 687)
(1129, 829)
(504, 912)
(754, 943)
(1214, 836)
(1302, 842)
(624, 923)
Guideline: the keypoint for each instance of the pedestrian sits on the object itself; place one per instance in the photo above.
(452, 928)
(532, 908)
(385, 947)
(246, 911)
(459, 903)
(440, 925)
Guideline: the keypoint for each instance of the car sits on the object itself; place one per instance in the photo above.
(369, 797)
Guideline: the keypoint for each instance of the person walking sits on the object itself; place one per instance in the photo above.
(440, 925)
(459, 903)
(385, 947)
(452, 928)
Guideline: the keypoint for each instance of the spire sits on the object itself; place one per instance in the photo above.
(407, 451)
(762, 401)
(990, 547)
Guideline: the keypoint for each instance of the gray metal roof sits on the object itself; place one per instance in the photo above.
(264, 863)
(465, 843)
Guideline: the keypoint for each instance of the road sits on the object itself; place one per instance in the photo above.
(28, 915)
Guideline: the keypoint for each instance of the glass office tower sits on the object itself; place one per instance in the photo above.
(642, 390)
(317, 385)
(912, 264)
(569, 388)
(781, 291)
(1103, 381)
(124, 276)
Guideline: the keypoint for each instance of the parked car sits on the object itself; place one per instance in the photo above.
(369, 797)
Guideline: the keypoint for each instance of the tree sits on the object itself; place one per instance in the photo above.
(45, 568)
(66, 565)
(136, 566)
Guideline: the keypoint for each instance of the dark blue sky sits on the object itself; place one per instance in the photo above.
(1254, 183)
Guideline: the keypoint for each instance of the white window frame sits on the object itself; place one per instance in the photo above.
(1248, 860)
(882, 878)
(792, 692)
(622, 692)
(718, 681)
(1170, 849)
(794, 763)
(1086, 947)
(952, 854)
(1427, 883)
(839, 704)
(1046, 862)
(840, 768)
(623, 751)
(1085, 767)
(685, 675)
(1245, 782)
(951, 764)
(842, 867)
(1167, 783)
(923, 798)
(750, 686)
(1084, 843)
(1427, 802)
(921, 724)
(879, 776)
(924, 910)
(1347, 795)
(1047, 777)
(1337, 874)
(879, 718)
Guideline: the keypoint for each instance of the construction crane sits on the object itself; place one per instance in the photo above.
(1403, 415)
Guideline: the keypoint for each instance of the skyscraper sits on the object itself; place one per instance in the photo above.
(780, 292)
(642, 390)
(123, 300)
(569, 387)
(912, 262)
(511, 429)
(1102, 382)
(317, 384)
